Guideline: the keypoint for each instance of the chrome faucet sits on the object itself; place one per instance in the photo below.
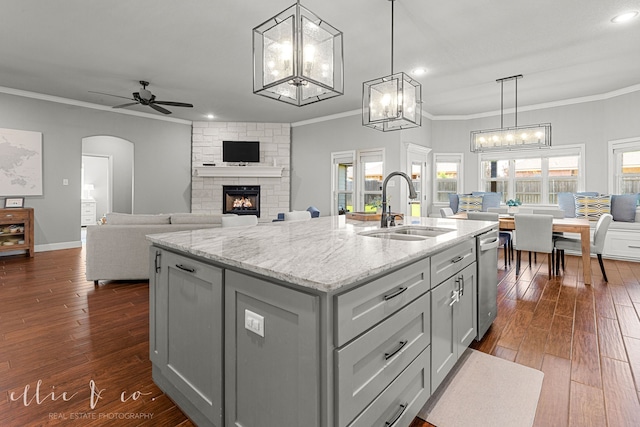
(412, 195)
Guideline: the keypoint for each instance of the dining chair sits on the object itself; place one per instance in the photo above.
(239, 221)
(574, 244)
(556, 213)
(445, 212)
(504, 236)
(297, 215)
(533, 234)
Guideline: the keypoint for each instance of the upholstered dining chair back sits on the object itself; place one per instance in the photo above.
(297, 215)
(239, 221)
(602, 226)
(498, 210)
(534, 232)
(556, 213)
(445, 212)
(483, 216)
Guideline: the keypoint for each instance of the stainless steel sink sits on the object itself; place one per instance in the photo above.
(407, 232)
(420, 230)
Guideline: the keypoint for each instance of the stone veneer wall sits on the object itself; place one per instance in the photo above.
(206, 147)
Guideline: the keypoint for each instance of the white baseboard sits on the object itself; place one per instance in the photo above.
(57, 246)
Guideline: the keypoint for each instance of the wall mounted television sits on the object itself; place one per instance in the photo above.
(241, 151)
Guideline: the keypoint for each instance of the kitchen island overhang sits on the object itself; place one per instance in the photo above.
(325, 254)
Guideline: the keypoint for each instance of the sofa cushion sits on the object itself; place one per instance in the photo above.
(189, 218)
(115, 218)
(592, 207)
(470, 204)
(623, 207)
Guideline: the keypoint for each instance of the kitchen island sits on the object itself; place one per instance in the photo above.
(324, 322)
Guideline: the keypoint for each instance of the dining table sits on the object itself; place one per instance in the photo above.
(564, 225)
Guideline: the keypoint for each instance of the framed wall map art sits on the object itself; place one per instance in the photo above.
(20, 163)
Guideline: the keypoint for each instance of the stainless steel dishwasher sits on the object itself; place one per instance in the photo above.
(487, 288)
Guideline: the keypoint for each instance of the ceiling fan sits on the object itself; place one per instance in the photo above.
(145, 97)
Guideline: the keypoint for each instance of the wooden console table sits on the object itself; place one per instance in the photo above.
(16, 230)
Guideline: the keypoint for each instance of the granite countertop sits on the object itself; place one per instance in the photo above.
(324, 253)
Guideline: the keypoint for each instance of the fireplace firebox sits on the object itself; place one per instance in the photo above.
(241, 200)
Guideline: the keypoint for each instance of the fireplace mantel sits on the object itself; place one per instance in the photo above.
(239, 171)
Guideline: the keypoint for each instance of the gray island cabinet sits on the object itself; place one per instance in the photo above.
(309, 323)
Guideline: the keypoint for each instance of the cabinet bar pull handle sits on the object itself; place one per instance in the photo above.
(157, 262)
(388, 356)
(457, 259)
(395, 294)
(189, 269)
(461, 284)
(633, 247)
(397, 415)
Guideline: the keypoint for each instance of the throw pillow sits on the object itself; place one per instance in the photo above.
(623, 207)
(567, 202)
(591, 207)
(454, 201)
(491, 200)
(470, 204)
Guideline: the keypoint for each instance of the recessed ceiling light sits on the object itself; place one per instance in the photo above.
(419, 71)
(210, 116)
(624, 17)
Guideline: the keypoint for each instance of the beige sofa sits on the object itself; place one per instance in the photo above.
(119, 250)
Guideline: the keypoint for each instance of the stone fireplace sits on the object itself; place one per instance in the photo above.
(207, 187)
(241, 200)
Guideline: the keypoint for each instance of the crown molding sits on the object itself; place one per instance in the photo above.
(67, 101)
(581, 100)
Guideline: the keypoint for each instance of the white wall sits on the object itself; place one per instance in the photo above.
(275, 147)
(591, 123)
(312, 145)
(162, 162)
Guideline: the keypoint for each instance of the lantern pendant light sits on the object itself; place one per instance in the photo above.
(393, 102)
(297, 58)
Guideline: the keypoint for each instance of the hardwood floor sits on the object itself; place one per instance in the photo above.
(71, 354)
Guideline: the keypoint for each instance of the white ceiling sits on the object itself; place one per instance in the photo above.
(199, 51)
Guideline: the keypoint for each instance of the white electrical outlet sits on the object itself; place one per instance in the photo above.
(65, 181)
(254, 322)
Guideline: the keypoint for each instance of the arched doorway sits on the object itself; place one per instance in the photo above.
(107, 173)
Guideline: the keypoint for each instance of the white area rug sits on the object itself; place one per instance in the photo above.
(484, 390)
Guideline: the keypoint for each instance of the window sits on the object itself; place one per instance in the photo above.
(448, 179)
(534, 177)
(342, 181)
(371, 166)
(624, 161)
(357, 180)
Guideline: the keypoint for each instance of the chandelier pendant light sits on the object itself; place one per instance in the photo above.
(297, 58)
(511, 138)
(393, 102)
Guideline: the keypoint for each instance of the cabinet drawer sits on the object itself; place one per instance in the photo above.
(448, 262)
(623, 244)
(14, 216)
(399, 403)
(361, 308)
(88, 210)
(371, 362)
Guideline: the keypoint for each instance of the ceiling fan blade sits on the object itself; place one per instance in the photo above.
(108, 94)
(158, 108)
(126, 105)
(175, 104)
